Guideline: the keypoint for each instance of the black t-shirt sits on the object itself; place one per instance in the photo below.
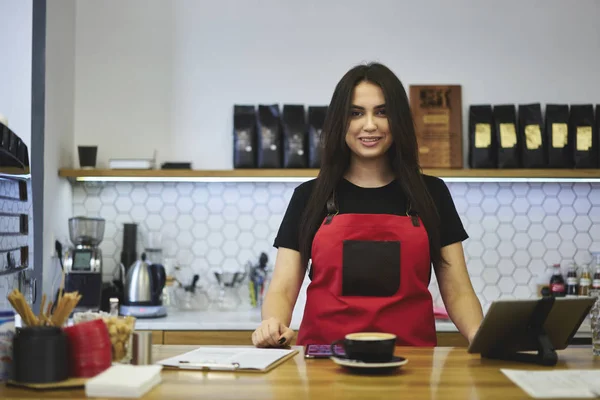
(388, 199)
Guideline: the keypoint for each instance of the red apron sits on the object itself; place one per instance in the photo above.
(370, 273)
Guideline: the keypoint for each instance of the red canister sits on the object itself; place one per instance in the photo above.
(89, 348)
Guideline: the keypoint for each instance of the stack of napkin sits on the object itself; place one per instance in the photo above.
(124, 381)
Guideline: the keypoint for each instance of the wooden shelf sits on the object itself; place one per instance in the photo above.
(187, 173)
(15, 173)
(466, 175)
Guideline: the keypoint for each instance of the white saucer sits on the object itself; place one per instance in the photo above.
(345, 362)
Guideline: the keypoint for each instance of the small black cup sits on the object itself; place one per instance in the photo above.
(369, 347)
(87, 156)
(40, 355)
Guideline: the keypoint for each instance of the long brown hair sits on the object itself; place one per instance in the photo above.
(403, 155)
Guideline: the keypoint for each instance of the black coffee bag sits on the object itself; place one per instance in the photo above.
(582, 134)
(557, 136)
(505, 124)
(295, 138)
(316, 119)
(598, 132)
(244, 136)
(269, 137)
(482, 140)
(531, 136)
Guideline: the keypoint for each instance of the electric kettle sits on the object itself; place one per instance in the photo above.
(143, 290)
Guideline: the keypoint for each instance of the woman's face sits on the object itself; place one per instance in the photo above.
(368, 135)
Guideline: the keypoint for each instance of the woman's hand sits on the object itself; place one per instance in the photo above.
(272, 333)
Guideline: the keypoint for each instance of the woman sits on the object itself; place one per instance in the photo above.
(372, 225)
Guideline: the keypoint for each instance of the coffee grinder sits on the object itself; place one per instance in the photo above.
(83, 261)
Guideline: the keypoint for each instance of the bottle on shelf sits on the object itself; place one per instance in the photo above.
(596, 279)
(557, 282)
(585, 281)
(572, 287)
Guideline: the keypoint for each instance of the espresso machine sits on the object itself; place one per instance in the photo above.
(83, 261)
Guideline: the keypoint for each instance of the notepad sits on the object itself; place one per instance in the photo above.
(131, 381)
(567, 384)
(230, 358)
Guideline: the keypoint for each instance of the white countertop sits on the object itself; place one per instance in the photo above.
(227, 320)
(177, 320)
(202, 321)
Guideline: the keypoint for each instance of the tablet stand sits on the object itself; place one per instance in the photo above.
(546, 354)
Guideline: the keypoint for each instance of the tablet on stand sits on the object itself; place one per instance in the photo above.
(513, 329)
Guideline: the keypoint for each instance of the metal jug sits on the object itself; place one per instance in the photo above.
(144, 283)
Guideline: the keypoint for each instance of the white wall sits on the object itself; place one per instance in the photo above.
(15, 66)
(164, 75)
(60, 84)
(124, 73)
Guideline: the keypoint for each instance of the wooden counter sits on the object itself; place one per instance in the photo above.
(440, 373)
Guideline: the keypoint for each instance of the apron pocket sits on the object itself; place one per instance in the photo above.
(370, 268)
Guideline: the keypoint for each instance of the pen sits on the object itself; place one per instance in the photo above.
(208, 366)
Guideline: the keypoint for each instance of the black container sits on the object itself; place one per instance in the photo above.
(582, 134)
(598, 132)
(40, 355)
(295, 138)
(270, 147)
(3, 136)
(129, 238)
(505, 124)
(316, 120)
(244, 136)
(531, 136)
(8, 148)
(87, 156)
(559, 146)
(12, 142)
(129, 250)
(13, 151)
(18, 149)
(24, 155)
(482, 138)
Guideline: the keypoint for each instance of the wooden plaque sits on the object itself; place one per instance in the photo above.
(437, 112)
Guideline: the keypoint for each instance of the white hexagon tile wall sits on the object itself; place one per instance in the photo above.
(517, 230)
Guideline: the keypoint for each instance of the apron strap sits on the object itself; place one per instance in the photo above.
(331, 205)
(414, 216)
(332, 209)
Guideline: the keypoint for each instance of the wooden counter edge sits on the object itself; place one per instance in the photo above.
(237, 337)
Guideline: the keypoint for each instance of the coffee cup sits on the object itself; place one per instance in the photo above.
(370, 347)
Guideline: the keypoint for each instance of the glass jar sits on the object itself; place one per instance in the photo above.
(595, 325)
(7, 332)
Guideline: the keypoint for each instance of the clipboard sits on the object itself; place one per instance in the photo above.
(512, 327)
(229, 358)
